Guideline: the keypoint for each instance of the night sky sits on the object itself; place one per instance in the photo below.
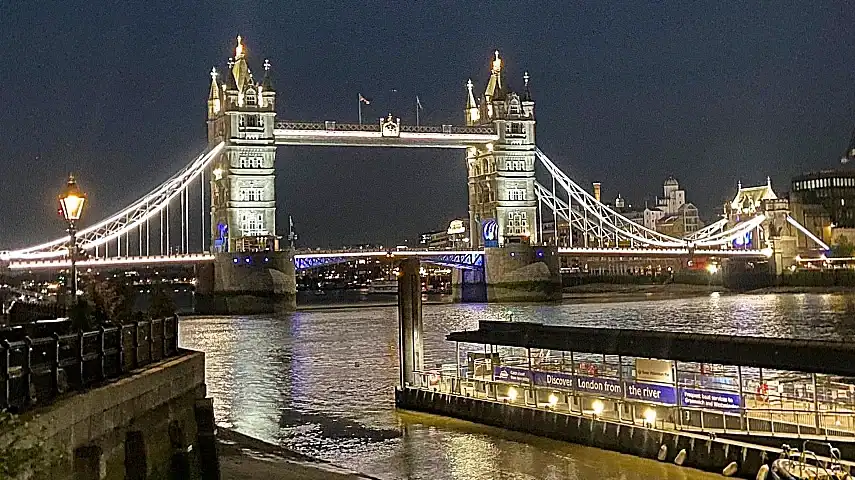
(626, 95)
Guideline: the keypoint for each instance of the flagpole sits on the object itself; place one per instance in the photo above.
(417, 110)
(359, 102)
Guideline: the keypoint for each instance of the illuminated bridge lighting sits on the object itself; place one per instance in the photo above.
(113, 261)
(665, 252)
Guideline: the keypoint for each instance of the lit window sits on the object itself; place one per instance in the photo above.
(516, 194)
(251, 98)
(251, 194)
(517, 223)
(252, 224)
(514, 128)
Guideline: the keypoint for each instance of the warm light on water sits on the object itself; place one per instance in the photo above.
(321, 382)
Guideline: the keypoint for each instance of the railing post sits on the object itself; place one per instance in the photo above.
(54, 368)
(27, 372)
(80, 357)
(4, 370)
(137, 344)
(102, 373)
(121, 349)
(150, 341)
(163, 347)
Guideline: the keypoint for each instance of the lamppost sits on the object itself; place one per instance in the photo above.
(71, 207)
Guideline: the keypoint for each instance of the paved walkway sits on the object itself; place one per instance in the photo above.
(246, 458)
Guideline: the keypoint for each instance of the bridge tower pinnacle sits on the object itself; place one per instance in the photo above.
(242, 113)
(501, 174)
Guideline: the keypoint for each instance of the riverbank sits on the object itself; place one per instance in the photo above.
(245, 458)
(606, 292)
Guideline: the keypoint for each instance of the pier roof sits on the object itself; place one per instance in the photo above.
(815, 356)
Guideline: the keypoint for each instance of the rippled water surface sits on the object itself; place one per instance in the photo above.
(322, 381)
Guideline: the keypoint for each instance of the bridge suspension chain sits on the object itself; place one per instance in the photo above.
(131, 217)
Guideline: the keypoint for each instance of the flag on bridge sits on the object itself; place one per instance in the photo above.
(364, 100)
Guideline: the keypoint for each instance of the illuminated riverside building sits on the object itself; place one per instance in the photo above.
(824, 202)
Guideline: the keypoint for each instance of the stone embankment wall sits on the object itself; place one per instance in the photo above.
(140, 427)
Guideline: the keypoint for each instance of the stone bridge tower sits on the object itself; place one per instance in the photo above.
(502, 202)
(501, 175)
(242, 112)
(250, 273)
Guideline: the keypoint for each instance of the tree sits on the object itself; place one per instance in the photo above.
(842, 248)
(112, 301)
(22, 454)
(162, 305)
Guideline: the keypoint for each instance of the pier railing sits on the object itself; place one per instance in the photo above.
(770, 418)
(34, 371)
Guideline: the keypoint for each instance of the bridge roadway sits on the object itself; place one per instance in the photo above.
(457, 258)
(334, 134)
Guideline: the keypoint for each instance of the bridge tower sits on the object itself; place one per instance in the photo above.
(250, 274)
(241, 112)
(501, 175)
(502, 202)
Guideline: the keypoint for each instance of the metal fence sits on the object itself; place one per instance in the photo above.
(767, 421)
(34, 371)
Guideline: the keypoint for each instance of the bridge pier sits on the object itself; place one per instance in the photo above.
(518, 272)
(239, 283)
(410, 343)
(468, 286)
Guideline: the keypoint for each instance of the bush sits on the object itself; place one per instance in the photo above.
(20, 456)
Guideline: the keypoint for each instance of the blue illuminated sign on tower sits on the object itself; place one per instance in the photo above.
(490, 233)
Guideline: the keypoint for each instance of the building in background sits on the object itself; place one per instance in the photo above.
(824, 202)
(455, 237)
(671, 214)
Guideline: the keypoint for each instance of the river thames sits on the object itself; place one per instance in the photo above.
(321, 381)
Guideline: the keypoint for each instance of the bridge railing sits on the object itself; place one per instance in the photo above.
(34, 371)
(375, 127)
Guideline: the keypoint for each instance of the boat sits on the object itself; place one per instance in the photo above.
(383, 286)
(806, 465)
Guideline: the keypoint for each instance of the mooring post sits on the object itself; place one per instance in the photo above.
(410, 346)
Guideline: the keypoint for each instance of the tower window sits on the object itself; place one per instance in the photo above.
(251, 98)
(251, 194)
(515, 165)
(252, 224)
(517, 224)
(516, 194)
(255, 161)
(514, 128)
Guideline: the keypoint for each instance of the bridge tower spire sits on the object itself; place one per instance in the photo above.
(242, 113)
(501, 174)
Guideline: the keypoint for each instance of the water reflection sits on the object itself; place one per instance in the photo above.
(322, 381)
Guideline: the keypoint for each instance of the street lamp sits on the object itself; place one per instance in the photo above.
(71, 207)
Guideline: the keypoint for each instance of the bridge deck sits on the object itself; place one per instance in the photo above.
(353, 135)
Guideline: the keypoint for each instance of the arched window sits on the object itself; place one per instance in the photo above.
(251, 98)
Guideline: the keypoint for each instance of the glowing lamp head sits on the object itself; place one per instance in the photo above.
(71, 201)
(650, 416)
(712, 268)
(553, 400)
(598, 407)
(512, 394)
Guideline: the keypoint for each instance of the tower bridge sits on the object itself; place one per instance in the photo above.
(244, 267)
